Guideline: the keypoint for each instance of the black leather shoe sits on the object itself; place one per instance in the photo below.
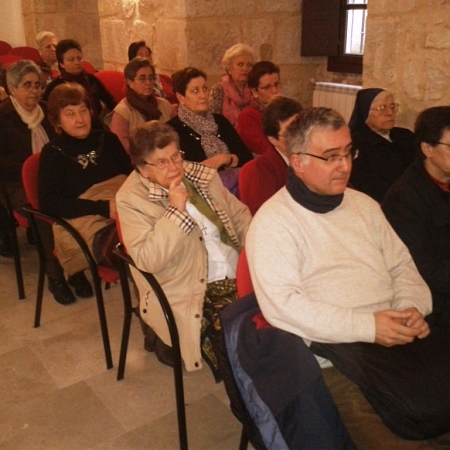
(61, 290)
(164, 353)
(81, 285)
(152, 343)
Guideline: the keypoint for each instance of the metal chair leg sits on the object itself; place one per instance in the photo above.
(128, 311)
(243, 444)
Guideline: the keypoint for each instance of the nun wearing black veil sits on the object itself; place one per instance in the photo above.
(385, 151)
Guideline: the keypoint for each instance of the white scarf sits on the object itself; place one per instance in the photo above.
(33, 119)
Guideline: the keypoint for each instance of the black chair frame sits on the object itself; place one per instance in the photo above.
(124, 262)
(32, 214)
(14, 242)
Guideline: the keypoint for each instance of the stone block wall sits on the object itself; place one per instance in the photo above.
(197, 33)
(408, 51)
(185, 32)
(68, 19)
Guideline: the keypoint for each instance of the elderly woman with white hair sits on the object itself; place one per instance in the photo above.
(232, 94)
(385, 150)
(46, 43)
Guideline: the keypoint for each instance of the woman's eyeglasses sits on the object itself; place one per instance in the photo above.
(144, 78)
(163, 164)
(382, 109)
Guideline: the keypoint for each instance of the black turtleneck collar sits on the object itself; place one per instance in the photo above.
(74, 146)
(308, 199)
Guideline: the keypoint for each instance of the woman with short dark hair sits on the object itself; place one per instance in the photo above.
(264, 83)
(206, 137)
(79, 173)
(70, 62)
(140, 104)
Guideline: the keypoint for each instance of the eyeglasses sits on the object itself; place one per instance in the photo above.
(30, 85)
(275, 85)
(163, 164)
(335, 159)
(393, 107)
(144, 78)
(443, 143)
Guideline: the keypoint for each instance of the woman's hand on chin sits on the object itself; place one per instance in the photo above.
(222, 160)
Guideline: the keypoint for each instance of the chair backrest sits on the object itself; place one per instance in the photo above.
(243, 279)
(247, 191)
(7, 60)
(30, 170)
(114, 82)
(26, 53)
(88, 67)
(4, 48)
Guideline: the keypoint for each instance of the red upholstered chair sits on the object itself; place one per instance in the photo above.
(30, 170)
(248, 192)
(243, 279)
(26, 53)
(7, 60)
(88, 67)
(4, 48)
(114, 82)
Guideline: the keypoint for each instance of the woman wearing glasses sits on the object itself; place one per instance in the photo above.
(24, 130)
(180, 223)
(140, 104)
(264, 83)
(385, 151)
(206, 137)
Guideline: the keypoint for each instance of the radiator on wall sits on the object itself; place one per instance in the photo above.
(340, 97)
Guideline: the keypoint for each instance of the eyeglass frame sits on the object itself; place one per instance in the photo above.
(30, 85)
(144, 78)
(267, 88)
(166, 162)
(354, 152)
(442, 143)
(383, 108)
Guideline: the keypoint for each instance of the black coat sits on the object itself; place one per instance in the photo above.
(419, 211)
(15, 142)
(190, 140)
(380, 162)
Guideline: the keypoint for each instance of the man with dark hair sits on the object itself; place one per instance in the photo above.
(262, 177)
(327, 266)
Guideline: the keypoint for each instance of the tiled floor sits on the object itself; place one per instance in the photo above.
(56, 393)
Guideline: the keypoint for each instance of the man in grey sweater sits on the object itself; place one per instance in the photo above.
(327, 266)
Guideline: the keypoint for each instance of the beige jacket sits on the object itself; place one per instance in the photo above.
(169, 244)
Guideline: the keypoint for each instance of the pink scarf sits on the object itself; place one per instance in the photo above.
(234, 102)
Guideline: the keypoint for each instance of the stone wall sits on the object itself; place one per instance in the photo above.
(408, 52)
(185, 32)
(74, 19)
(197, 33)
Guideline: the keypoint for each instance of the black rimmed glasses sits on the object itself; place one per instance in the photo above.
(443, 143)
(335, 159)
(163, 164)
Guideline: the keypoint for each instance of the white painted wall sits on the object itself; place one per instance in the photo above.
(11, 23)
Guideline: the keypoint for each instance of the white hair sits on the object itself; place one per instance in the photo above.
(235, 51)
(42, 36)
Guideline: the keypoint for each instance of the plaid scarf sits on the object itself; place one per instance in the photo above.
(199, 176)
